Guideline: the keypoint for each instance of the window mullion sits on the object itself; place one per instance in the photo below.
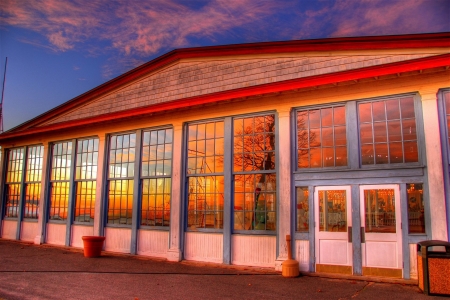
(22, 193)
(135, 219)
(70, 200)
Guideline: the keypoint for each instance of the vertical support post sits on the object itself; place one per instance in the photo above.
(284, 185)
(2, 185)
(227, 205)
(99, 189)
(312, 230)
(71, 200)
(135, 220)
(176, 219)
(435, 172)
(43, 203)
(22, 194)
(404, 220)
(356, 230)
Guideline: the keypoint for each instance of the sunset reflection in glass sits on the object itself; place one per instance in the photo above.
(388, 131)
(120, 175)
(59, 180)
(205, 192)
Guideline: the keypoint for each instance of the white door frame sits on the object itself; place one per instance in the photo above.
(333, 251)
(382, 252)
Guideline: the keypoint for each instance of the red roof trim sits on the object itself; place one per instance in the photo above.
(393, 68)
(328, 44)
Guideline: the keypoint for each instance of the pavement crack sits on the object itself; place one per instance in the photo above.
(362, 289)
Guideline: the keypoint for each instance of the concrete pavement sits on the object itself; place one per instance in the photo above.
(30, 271)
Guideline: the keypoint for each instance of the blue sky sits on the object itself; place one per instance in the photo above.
(60, 49)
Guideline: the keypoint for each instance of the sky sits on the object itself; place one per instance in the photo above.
(59, 49)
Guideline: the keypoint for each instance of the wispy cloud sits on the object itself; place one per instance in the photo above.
(136, 30)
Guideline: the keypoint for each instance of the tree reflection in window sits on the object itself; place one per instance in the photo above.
(254, 179)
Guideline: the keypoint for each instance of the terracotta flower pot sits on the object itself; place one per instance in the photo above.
(93, 245)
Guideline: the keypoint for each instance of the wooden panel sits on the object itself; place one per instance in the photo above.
(190, 79)
(118, 239)
(384, 272)
(56, 234)
(302, 254)
(9, 229)
(413, 261)
(259, 251)
(153, 243)
(79, 231)
(28, 231)
(203, 247)
(333, 269)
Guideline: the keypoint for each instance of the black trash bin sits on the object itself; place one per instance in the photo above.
(433, 267)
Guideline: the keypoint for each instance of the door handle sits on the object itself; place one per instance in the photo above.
(349, 231)
(363, 235)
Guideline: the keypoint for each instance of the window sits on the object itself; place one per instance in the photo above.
(302, 207)
(254, 173)
(60, 180)
(388, 131)
(447, 115)
(205, 175)
(416, 217)
(85, 179)
(33, 176)
(121, 178)
(13, 181)
(321, 137)
(156, 164)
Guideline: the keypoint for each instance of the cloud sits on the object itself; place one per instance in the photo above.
(137, 28)
(133, 31)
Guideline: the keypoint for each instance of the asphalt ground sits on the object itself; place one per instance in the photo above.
(29, 271)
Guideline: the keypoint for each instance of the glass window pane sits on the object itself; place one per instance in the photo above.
(411, 152)
(327, 117)
(407, 107)
(333, 210)
(379, 207)
(416, 216)
(339, 115)
(381, 154)
(392, 110)
(380, 135)
(394, 131)
(302, 209)
(365, 112)
(314, 118)
(367, 154)
(378, 111)
(341, 156)
(396, 153)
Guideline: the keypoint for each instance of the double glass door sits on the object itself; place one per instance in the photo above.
(381, 247)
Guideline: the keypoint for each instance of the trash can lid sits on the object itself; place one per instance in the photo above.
(434, 243)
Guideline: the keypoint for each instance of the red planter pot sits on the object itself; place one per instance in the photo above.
(93, 245)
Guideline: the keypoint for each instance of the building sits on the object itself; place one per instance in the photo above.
(217, 153)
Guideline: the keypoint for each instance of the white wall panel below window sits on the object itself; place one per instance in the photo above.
(413, 261)
(258, 251)
(302, 254)
(118, 240)
(56, 234)
(78, 232)
(204, 247)
(9, 229)
(28, 231)
(153, 243)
